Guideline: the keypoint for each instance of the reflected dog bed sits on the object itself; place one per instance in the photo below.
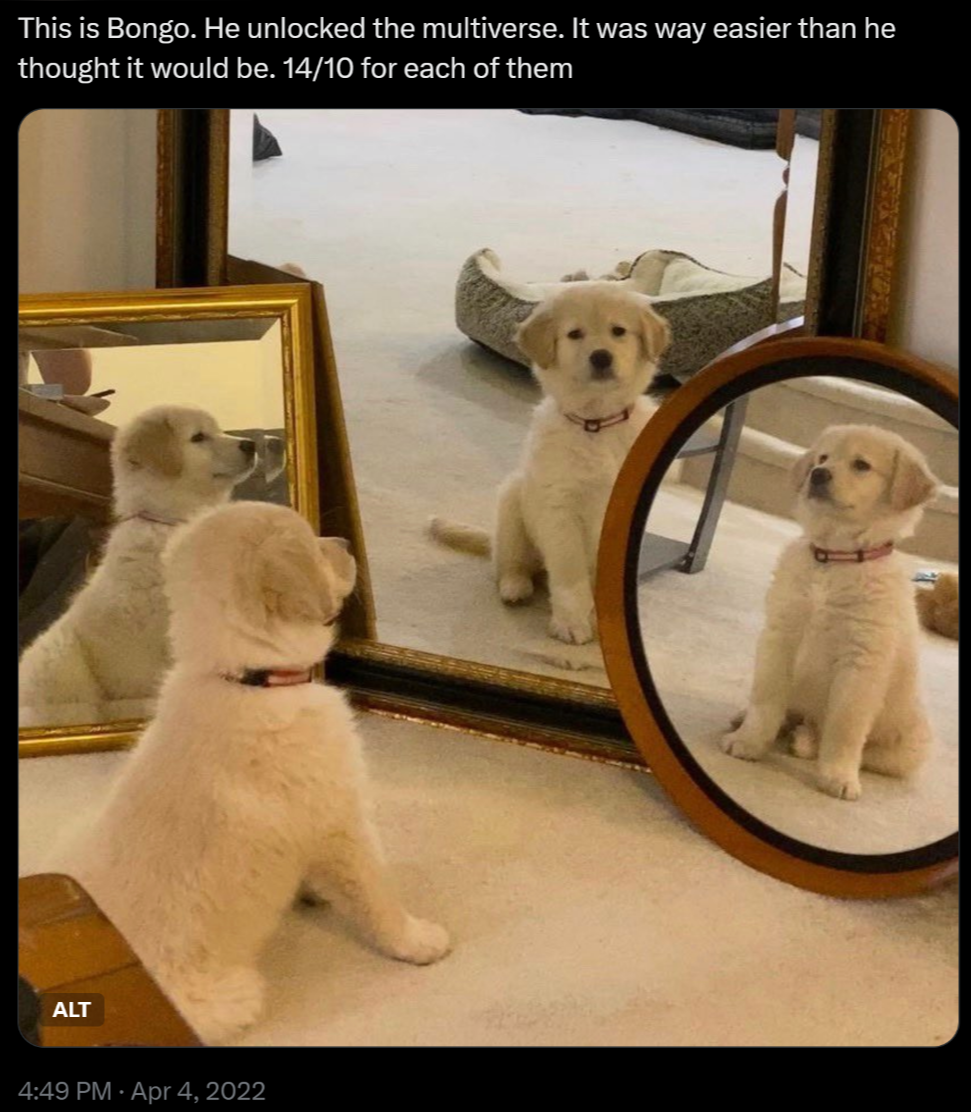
(708, 310)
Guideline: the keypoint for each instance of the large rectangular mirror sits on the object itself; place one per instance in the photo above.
(393, 209)
(137, 411)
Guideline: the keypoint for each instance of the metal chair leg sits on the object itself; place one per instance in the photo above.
(732, 424)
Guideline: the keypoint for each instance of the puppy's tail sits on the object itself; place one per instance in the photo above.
(463, 538)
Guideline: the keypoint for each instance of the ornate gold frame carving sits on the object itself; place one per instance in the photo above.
(883, 237)
(291, 305)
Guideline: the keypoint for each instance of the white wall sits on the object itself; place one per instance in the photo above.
(87, 200)
(239, 382)
(925, 315)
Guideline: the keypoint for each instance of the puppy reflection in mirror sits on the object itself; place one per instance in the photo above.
(838, 657)
(248, 787)
(594, 350)
(109, 647)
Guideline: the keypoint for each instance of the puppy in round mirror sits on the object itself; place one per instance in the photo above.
(838, 662)
(786, 693)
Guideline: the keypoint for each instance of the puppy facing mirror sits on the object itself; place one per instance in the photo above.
(248, 788)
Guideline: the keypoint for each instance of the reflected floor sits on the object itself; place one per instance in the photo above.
(700, 632)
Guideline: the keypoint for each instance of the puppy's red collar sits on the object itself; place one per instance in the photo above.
(859, 556)
(595, 424)
(273, 677)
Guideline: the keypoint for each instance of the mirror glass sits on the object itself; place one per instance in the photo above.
(392, 210)
(837, 649)
(225, 438)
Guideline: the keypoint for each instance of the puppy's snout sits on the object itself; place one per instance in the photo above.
(820, 476)
(601, 359)
(248, 448)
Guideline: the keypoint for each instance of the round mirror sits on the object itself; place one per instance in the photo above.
(777, 601)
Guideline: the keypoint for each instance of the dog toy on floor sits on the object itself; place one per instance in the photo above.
(938, 606)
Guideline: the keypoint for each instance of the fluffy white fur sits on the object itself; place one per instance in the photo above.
(838, 657)
(237, 798)
(109, 646)
(594, 350)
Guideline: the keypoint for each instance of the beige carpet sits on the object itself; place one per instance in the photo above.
(585, 913)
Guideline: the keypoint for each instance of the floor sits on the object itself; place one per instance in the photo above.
(585, 912)
(384, 207)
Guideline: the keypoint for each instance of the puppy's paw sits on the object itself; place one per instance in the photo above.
(515, 587)
(220, 1005)
(421, 943)
(805, 744)
(576, 276)
(572, 629)
(745, 744)
(842, 783)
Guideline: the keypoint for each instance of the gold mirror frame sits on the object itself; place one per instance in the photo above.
(692, 791)
(311, 404)
(859, 190)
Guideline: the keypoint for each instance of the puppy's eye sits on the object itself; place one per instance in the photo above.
(861, 465)
(618, 330)
(199, 438)
(823, 459)
(576, 334)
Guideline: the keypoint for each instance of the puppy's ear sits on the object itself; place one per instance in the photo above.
(655, 332)
(911, 483)
(801, 468)
(282, 581)
(536, 336)
(337, 552)
(154, 445)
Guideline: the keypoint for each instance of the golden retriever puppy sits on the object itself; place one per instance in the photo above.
(248, 787)
(594, 350)
(838, 656)
(168, 464)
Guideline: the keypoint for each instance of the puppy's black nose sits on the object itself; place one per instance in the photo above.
(820, 476)
(601, 359)
(248, 447)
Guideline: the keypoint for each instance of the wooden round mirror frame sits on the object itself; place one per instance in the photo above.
(701, 800)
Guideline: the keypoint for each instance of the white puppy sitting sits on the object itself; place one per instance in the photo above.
(168, 464)
(594, 350)
(838, 657)
(248, 787)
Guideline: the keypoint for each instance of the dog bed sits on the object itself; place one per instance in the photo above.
(708, 310)
(750, 128)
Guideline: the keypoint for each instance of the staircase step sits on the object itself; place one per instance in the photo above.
(797, 409)
(760, 478)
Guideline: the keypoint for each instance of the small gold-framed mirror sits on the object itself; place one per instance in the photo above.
(136, 411)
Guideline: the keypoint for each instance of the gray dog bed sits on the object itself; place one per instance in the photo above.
(708, 310)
